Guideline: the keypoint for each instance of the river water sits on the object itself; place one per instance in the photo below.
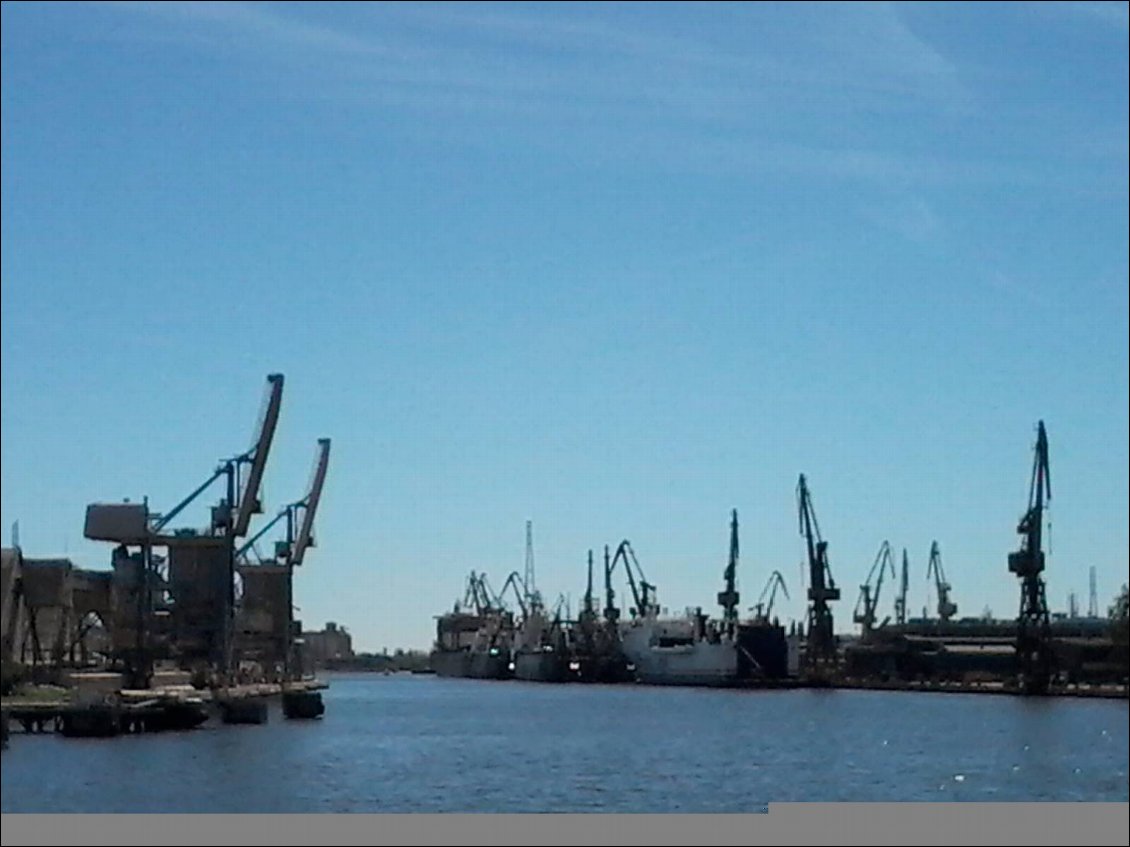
(404, 743)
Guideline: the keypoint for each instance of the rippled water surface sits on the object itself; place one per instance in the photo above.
(405, 743)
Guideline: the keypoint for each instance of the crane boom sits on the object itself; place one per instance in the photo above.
(642, 594)
(515, 581)
(309, 504)
(249, 497)
(762, 611)
(241, 552)
(870, 602)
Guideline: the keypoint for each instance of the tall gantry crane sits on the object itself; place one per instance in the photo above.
(820, 650)
(946, 607)
(868, 602)
(1033, 627)
(900, 598)
(728, 598)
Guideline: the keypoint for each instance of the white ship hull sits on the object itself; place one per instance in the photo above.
(667, 652)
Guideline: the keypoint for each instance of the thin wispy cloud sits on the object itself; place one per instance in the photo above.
(718, 103)
(871, 46)
(257, 21)
(867, 48)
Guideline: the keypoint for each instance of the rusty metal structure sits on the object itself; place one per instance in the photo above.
(55, 615)
(183, 603)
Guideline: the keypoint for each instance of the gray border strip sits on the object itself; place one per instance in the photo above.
(786, 823)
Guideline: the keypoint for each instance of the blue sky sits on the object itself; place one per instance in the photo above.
(615, 269)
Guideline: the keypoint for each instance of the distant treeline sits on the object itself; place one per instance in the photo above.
(400, 660)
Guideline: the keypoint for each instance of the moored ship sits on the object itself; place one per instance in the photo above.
(474, 644)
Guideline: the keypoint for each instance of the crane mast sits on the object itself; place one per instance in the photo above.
(729, 597)
(900, 600)
(821, 647)
(1033, 635)
(946, 607)
(588, 607)
(869, 602)
(611, 613)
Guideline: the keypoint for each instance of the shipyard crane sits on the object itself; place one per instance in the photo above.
(728, 598)
(900, 599)
(587, 616)
(299, 517)
(642, 595)
(515, 581)
(589, 610)
(477, 596)
(533, 596)
(469, 595)
(821, 646)
(490, 604)
(230, 519)
(611, 613)
(946, 607)
(491, 601)
(763, 610)
(559, 606)
(291, 552)
(234, 513)
(865, 607)
(1033, 632)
